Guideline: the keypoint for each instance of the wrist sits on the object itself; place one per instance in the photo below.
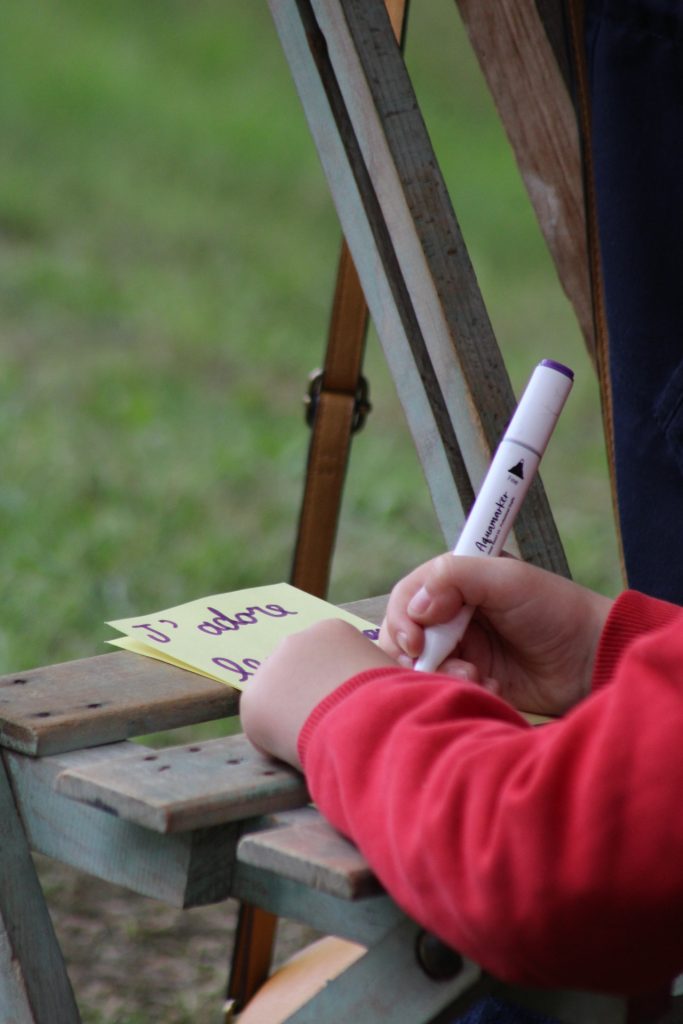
(332, 701)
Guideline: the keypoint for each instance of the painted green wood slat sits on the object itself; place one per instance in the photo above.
(183, 870)
(383, 285)
(364, 920)
(424, 240)
(34, 985)
(387, 984)
(179, 788)
(304, 848)
(428, 245)
(421, 221)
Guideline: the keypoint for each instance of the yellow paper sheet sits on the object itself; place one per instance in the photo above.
(227, 636)
(126, 643)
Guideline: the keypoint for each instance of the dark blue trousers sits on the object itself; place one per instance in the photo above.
(494, 1011)
(635, 65)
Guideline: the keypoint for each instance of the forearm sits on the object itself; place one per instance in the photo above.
(536, 852)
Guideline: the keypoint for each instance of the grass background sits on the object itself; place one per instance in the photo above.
(167, 254)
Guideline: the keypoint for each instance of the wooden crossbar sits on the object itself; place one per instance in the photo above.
(408, 250)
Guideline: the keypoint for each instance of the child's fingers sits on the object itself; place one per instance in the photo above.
(451, 581)
(439, 597)
(423, 598)
(436, 591)
(399, 634)
(401, 638)
(460, 669)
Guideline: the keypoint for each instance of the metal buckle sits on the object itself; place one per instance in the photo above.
(361, 406)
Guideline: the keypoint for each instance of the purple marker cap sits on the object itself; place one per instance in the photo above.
(560, 367)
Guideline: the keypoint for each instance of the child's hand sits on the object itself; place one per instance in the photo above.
(533, 637)
(303, 669)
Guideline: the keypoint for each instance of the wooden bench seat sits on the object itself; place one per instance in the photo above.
(176, 789)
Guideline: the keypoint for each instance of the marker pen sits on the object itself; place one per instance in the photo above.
(503, 490)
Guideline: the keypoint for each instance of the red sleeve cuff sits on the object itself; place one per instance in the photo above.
(332, 701)
(633, 614)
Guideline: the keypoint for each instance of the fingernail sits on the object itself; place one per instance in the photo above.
(463, 672)
(405, 662)
(420, 602)
(402, 641)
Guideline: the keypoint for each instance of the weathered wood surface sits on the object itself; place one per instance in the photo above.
(388, 985)
(408, 250)
(112, 697)
(103, 699)
(304, 848)
(365, 920)
(176, 789)
(370, 608)
(529, 89)
(34, 985)
(183, 870)
(385, 291)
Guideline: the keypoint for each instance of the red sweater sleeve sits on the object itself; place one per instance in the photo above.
(551, 855)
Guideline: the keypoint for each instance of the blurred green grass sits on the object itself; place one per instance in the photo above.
(167, 253)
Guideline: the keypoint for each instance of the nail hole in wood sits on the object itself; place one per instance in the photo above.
(234, 760)
(151, 757)
(163, 767)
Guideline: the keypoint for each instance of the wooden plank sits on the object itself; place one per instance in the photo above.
(529, 88)
(422, 247)
(104, 699)
(431, 251)
(112, 697)
(383, 284)
(304, 848)
(387, 984)
(34, 985)
(187, 869)
(364, 920)
(197, 785)
(370, 608)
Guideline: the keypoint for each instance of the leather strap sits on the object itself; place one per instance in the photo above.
(340, 406)
(333, 413)
(252, 954)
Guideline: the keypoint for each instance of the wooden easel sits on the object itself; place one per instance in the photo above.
(403, 236)
(417, 281)
(190, 829)
(400, 227)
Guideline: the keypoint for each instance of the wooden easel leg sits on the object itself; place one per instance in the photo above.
(252, 953)
(34, 985)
